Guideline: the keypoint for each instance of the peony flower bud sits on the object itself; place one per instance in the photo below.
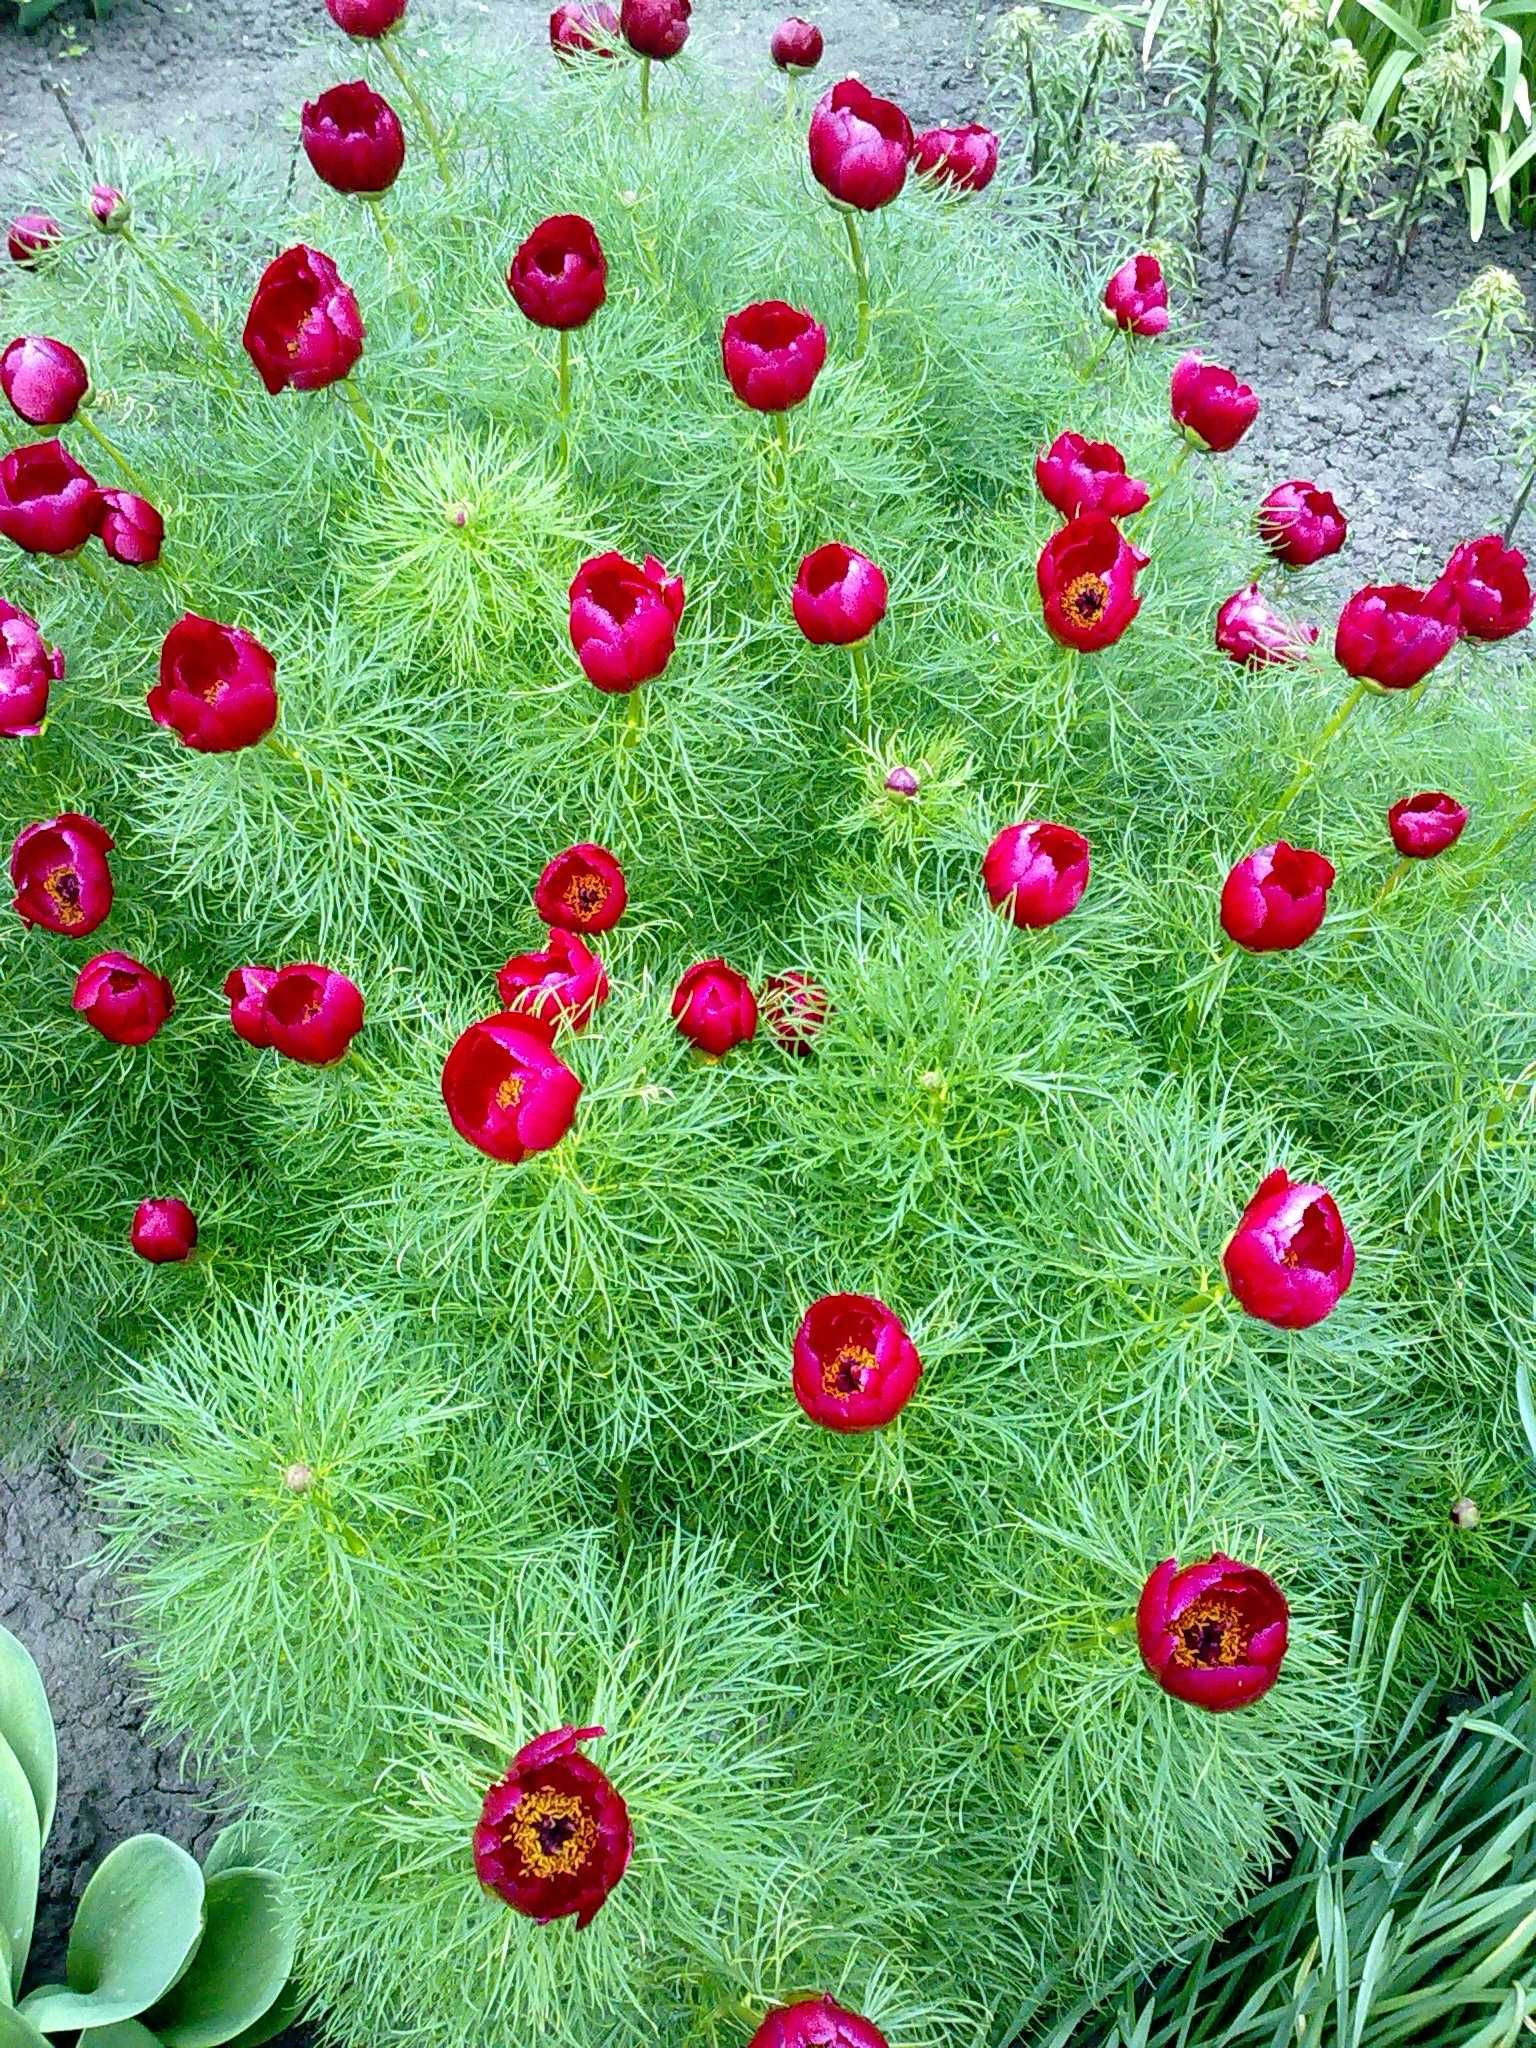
(1465, 1513)
(164, 1232)
(797, 45)
(1078, 476)
(298, 1477)
(1426, 824)
(1290, 1260)
(772, 354)
(307, 1013)
(217, 688)
(49, 505)
(1273, 900)
(353, 138)
(1210, 405)
(28, 667)
(855, 1366)
(564, 983)
(816, 2023)
(32, 235)
(963, 157)
(126, 1001)
(304, 328)
(795, 1006)
(246, 988)
(1087, 579)
(839, 596)
(1392, 635)
(366, 19)
(902, 782)
(1213, 1634)
(554, 1836)
(1485, 586)
(559, 277)
(110, 210)
(624, 620)
(582, 890)
(1136, 297)
(860, 146)
(584, 28)
(505, 1091)
(655, 28)
(1301, 524)
(44, 380)
(715, 1007)
(1037, 872)
(1249, 630)
(60, 874)
(131, 530)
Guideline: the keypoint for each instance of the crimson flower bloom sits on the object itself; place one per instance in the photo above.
(795, 1006)
(131, 530)
(32, 235)
(1392, 635)
(368, 19)
(772, 354)
(1426, 824)
(1211, 406)
(715, 1007)
(1274, 899)
(125, 1000)
(839, 596)
(49, 505)
(624, 620)
(554, 1835)
(563, 983)
(1290, 1259)
(1213, 1634)
(797, 44)
(1087, 576)
(506, 1092)
(584, 28)
(1300, 523)
(303, 328)
(44, 379)
(1249, 630)
(655, 28)
(353, 138)
(60, 874)
(860, 146)
(164, 1232)
(1485, 581)
(1076, 476)
(109, 209)
(307, 1013)
(28, 666)
(1037, 872)
(816, 2023)
(217, 687)
(1136, 297)
(855, 1365)
(582, 890)
(559, 277)
(963, 157)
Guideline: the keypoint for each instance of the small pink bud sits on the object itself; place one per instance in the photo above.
(109, 209)
(902, 782)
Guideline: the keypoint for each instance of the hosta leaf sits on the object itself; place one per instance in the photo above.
(27, 1725)
(16, 2032)
(21, 1845)
(138, 1922)
(245, 1846)
(240, 1967)
(121, 2034)
(285, 2009)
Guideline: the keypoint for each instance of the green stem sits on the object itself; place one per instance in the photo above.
(1391, 882)
(1099, 354)
(104, 584)
(1518, 510)
(1186, 449)
(396, 263)
(358, 406)
(861, 273)
(1508, 836)
(1320, 746)
(862, 694)
(84, 421)
(645, 90)
(780, 500)
(563, 396)
(429, 127)
(172, 290)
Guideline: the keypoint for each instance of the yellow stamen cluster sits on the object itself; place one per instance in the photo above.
(1212, 1633)
(551, 1833)
(846, 1371)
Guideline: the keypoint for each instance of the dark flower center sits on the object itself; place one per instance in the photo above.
(121, 983)
(586, 894)
(1315, 1242)
(61, 885)
(551, 1833)
(848, 1370)
(1085, 598)
(1212, 1634)
(296, 1001)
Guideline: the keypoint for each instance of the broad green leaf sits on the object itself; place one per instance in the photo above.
(1477, 200)
(240, 1968)
(1519, 157)
(121, 2034)
(21, 1846)
(15, 2032)
(245, 1846)
(138, 1922)
(1514, 54)
(286, 2009)
(27, 1725)
(1384, 85)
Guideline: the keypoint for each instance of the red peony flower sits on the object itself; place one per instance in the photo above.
(860, 146)
(715, 1007)
(44, 380)
(1426, 824)
(28, 666)
(559, 277)
(506, 1092)
(1392, 635)
(1290, 1259)
(164, 1232)
(60, 874)
(564, 983)
(217, 687)
(855, 1365)
(1213, 1634)
(655, 28)
(1211, 406)
(49, 505)
(1485, 585)
(1301, 524)
(368, 19)
(353, 138)
(797, 45)
(131, 530)
(1037, 872)
(624, 620)
(554, 1835)
(1273, 900)
(303, 328)
(772, 354)
(963, 157)
(1136, 297)
(816, 2023)
(1249, 630)
(1087, 576)
(584, 28)
(32, 235)
(839, 596)
(1077, 476)
(582, 890)
(109, 209)
(795, 1006)
(307, 1013)
(126, 1001)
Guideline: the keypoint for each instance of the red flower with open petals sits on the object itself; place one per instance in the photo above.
(854, 1365)
(582, 890)
(839, 596)
(49, 505)
(1209, 403)
(715, 1008)
(816, 2023)
(1087, 576)
(1275, 898)
(554, 1836)
(1213, 1634)
(353, 138)
(963, 157)
(1426, 824)
(131, 530)
(1300, 523)
(506, 1092)
(562, 983)
(773, 354)
(1485, 581)
(1249, 630)
(559, 277)
(1076, 476)
(126, 1001)
(28, 669)
(60, 874)
(1290, 1260)
(624, 619)
(1037, 872)
(1136, 297)
(217, 690)
(860, 146)
(304, 329)
(584, 28)
(1392, 635)
(305, 1012)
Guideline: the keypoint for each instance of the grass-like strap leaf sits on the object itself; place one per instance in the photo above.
(138, 1922)
(27, 1725)
(20, 1856)
(240, 1967)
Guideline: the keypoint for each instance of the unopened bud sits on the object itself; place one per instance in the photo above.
(902, 782)
(298, 1478)
(1465, 1513)
(457, 514)
(109, 209)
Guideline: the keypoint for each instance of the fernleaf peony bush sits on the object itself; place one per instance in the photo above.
(422, 1456)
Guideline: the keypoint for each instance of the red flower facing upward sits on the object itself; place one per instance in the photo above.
(584, 28)
(797, 45)
(624, 620)
(126, 1001)
(1392, 635)
(217, 689)
(1037, 872)
(860, 146)
(855, 1365)
(655, 28)
(1213, 1634)
(1274, 899)
(131, 530)
(367, 19)
(32, 235)
(559, 277)
(1301, 524)
(164, 1232)
(353, 138)
(303, 328)
(505, 1091)
(963, 157)
(44, 379)
(1426, 824)
(28, 667)
(554, 1835)
(795, 1006)
(1136, 297)
(772, 354)
(563, 983)
(839, 596)
(49, 505)
(60, 874)
(1076, 476)
(307, 1013)
(816, 2023)
(1211, 406)
(715, 1008)
(1249, 630)
(582, 890)
(1485, 581)
(1290, 1260)
(1087, 577)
